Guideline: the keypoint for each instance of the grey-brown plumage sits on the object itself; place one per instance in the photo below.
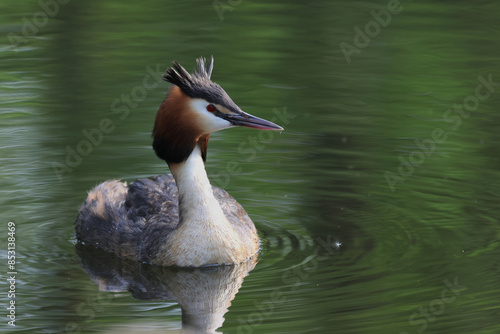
(131, 220)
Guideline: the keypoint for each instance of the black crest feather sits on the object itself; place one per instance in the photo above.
(198, 84)
(178, 75)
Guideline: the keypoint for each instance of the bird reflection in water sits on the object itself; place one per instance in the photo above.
(203, 294)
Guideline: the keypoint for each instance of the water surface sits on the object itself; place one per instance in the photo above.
(378, 206)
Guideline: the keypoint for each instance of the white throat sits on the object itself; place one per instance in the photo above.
(204, 234)
(196, 198)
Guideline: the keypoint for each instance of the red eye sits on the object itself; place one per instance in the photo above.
(211, 108)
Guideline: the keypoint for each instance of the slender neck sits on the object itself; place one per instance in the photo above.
(197, 202)
(204, 234)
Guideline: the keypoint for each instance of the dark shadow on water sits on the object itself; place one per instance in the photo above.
(204, 294)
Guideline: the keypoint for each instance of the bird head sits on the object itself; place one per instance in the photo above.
(196, 106)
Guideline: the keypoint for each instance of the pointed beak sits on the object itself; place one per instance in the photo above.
(249, 121)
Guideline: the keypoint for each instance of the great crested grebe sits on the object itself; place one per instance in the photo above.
(179, 218)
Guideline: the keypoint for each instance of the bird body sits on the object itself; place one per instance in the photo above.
(177, 219)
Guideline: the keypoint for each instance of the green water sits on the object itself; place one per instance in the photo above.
(378, 206)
